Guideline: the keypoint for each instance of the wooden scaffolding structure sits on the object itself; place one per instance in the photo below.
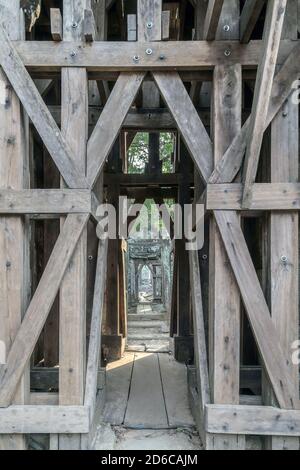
(238, 156)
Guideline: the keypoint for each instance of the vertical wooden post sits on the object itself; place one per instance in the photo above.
(183, 341)
(73, 290)
(284, 255)
(224, 314)
(14, 245)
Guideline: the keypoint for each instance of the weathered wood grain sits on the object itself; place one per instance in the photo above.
(212, 17)
(249, 16)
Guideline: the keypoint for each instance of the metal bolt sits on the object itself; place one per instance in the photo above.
(74, 25)
(149, 51)
(8, 264)
(73, 54)
(162, 57)
(226, 28)
(283, 259)
(227, 53)
(136, 58)
(90, 257)
(204, 257)
(149, 25)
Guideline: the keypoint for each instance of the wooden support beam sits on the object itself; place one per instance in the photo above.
(89, 27)
(39, 307)
(113, 56)
(182, 109)
(149, 20)
(131, 28)
(276, 362)
(265, 196)
(212, 17)
(39, 113)
(56, 24)
(94, 351)
(252, 420)
(249, 17)
(262, 93)
(73, 291)
(14, 232)
(45, 201)
(284, 231)
(231, 161)
(44, 419)
(199, 334)
(165, 29)
(224, 296)
(110, 122)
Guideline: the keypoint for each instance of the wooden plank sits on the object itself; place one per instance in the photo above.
(173, 376)
(39, 307)
(73, 291)
(89, 27)
(117, 389)
(249, 17)
(39, 113)
(94, 351)
(131, 28)
(43, 419)
(231, 161)
(146, 407)
(212, 17)
(37, 398)
(14, 232)
(224, 296)
(119, 56)
(165, 29)
(284, 276)
(255, 420)
(110, 122)
(275, 360)
(262, 93)
(182, 109)
(199, 333)
(149, 20)
(56, 24)
(45, 201)
(266, 196)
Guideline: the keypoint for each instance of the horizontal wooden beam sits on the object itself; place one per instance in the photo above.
(43, 419)
(45, 201)
(132, 56)
(255, 420)
(265, 197)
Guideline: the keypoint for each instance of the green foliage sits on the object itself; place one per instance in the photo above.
(138, 152)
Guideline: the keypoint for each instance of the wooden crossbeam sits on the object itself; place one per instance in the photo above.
(131, 56)
(187, 119)
(110, 122)
(265, 196)
(274, 357)
(262, 93)
(45, 201)
(231, 161)
(44, 419)
(56, 24)
(255, 420)
(40, 306)
(96, 324)
(212, 17)
(38, 112)
(249, 16)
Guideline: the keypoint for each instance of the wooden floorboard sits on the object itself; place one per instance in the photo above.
(146, 407)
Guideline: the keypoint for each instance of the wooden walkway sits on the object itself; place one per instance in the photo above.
(147, 391)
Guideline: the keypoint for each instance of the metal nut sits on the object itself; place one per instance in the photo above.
(73, 54)
(149, 51)
(149, 25)
(136, 58)
(74, 25)
(227, 53)
(283, 259)
(226, 28)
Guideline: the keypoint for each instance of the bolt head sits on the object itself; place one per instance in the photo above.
(73, 54)
(226, 28)
(74, 25)
(227, 53)
(149, 51)
(136, 58)
(149, 25)
(283, 259)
